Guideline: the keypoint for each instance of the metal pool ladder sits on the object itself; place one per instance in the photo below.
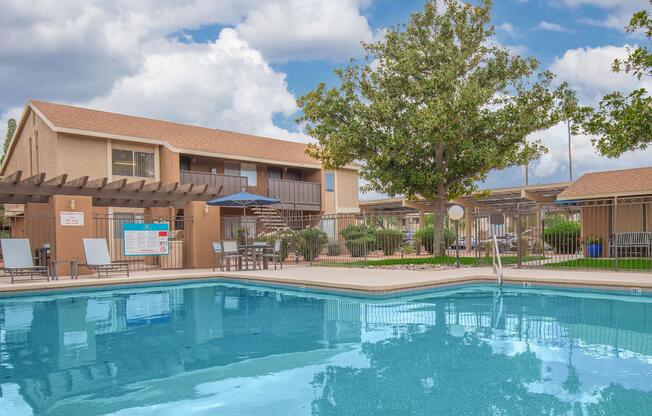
(496, 261)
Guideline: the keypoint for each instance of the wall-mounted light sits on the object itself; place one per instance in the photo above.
(206, 209)
(71, 204)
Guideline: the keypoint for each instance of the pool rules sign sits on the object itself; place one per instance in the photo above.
(146, 239)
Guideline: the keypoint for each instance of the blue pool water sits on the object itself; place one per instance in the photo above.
(225, 349)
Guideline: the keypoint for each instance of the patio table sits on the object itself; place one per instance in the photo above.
(255, 251)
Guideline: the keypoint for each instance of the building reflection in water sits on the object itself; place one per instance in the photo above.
(465, 352)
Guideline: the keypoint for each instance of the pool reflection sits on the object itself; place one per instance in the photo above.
(226, 349)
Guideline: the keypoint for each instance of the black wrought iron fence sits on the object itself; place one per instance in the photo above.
(110, 227)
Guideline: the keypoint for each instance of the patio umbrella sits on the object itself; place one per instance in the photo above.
(243, 199)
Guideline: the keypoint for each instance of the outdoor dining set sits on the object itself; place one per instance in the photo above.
(259, 254)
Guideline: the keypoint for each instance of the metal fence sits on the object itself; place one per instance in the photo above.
(110, 227)
(604, 234)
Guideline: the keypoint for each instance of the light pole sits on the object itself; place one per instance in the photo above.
(456, 213)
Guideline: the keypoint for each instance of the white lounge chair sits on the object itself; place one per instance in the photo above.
(18, 259)
(98, 259)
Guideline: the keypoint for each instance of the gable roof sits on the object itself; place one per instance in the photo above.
(182, 138)
(626, 182)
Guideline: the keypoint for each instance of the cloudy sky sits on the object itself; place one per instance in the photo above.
(241, 64)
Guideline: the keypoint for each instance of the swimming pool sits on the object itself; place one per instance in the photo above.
(216, 348)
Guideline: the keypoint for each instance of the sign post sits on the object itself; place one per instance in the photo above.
(146, 239)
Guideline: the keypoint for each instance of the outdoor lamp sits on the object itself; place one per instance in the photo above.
(71, 204)
(456, 213)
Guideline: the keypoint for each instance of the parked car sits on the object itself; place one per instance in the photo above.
(461, 243)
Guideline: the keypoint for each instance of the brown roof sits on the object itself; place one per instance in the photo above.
(181, 137)
(627, 182)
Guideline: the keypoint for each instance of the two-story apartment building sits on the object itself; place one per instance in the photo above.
(59, 139)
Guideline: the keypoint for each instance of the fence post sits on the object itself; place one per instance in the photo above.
(519, 253)
(615, 231)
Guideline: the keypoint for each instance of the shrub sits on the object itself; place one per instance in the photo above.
(425, 237)
(562, 235)
(357, 231)
(334, 249)
(287, 237)
(311, 242)
(360, 246)
(388, 240)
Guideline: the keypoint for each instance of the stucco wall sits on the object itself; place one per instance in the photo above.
(82, 156)
(42, 141)
(169, 165)
(346, 191)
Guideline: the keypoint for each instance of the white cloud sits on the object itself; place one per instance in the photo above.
(97, 52)
(306, 29)
(508, 28)
(553, 166)
(588, 70)
(553, 27)
(618, 11)
(224, 84)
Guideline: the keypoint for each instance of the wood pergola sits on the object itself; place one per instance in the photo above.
(117, 193)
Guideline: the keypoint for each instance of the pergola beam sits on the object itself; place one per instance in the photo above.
(416, 205)
(525, 194)
(116, 193)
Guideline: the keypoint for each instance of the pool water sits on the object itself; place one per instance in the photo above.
(226, 349)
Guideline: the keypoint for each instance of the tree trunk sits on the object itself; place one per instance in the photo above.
(438, 247)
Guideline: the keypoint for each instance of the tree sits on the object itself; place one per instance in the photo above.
(11, 127)
(432, 109)
(624, 122)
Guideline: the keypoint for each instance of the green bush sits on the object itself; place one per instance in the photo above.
(360, 246)
(425, 237)
(334, 249)
(357, 231)
(388, 240)
(562, 235)
(287, 238)
(311, 242)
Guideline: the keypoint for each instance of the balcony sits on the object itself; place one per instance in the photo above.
(229, 184)
(296, 194)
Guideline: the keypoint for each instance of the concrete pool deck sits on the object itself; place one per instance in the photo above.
(357, 279)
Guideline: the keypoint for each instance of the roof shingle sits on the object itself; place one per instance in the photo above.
(626, 182)
(180, 136)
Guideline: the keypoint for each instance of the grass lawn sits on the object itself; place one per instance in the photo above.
(465, 261)
(604, 264)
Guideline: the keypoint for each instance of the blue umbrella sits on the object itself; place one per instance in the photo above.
(243, 199)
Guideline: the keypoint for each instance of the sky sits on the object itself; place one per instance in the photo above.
(241, 64)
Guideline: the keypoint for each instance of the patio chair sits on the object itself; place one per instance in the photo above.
(216, 247)
(274, 254)
(230, 251)
(98, 259)
(18, 259)
(258, 250)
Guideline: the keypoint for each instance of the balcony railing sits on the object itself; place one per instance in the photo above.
(229, 184)
(296, 194)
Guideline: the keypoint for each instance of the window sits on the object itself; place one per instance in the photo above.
(232, 168)
(144, 164)
(274, 172)
(129, 163)
(329, 182)
(294, 174)
(248, 170)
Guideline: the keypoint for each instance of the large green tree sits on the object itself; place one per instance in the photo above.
(11, 127)
(624, 122)
(433, 108)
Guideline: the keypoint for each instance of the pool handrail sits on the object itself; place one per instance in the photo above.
(496, 261)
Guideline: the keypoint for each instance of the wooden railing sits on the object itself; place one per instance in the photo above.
(296, 194)
(229, 184)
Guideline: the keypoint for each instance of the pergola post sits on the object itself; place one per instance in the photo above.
(68, 237)
(202, 227)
